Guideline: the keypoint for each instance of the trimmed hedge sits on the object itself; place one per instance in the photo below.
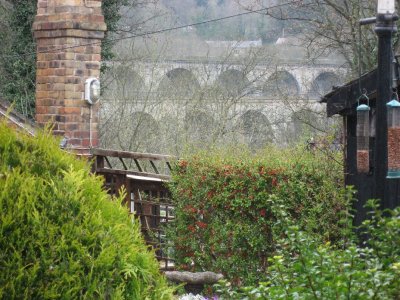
(61, 236)
(229, 208)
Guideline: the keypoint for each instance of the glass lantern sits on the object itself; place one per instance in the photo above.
(393, 120)
(363, 138)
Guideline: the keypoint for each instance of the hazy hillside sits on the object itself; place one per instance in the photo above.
(247, 27)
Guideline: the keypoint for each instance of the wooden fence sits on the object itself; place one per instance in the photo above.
(144, 177)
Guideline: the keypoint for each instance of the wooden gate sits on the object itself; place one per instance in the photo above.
(145, 177)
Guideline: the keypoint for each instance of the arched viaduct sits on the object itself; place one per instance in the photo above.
(266, 94)
(304, 80)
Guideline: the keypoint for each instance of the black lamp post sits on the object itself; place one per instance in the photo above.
(384, 28)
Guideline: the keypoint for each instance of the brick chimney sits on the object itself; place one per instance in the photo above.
(68, 35)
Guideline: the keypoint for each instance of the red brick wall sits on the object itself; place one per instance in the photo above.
(68, 35)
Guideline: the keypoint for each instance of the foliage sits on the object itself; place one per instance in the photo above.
(383, 232)
(112, 15)
(61, 236)
(17, 80)
(304, 268)
(229, 208)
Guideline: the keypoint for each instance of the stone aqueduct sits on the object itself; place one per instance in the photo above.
(262, 92)
(300, 80)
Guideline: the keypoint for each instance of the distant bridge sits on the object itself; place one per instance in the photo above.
(259, 78)
(264, 93)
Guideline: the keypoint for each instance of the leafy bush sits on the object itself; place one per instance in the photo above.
(303, 268)
(229, 208)
(60, 235)
(383, 232)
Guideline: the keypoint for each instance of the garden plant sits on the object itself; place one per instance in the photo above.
(304, 268)
(279, 226)
(61, 235)
(230, 208)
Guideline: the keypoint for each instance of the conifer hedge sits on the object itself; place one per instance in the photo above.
(61, 236)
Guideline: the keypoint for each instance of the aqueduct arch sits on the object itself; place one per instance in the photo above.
(125, 85)
(323, 83)
(232, 83)
(146, 131)
(178, 82)
(255, 127)
(199, 125)
(283, 84)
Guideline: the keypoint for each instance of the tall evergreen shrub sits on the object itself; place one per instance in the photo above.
(61, 236)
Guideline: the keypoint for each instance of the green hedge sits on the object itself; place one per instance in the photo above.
(61, 236)
(229, 207)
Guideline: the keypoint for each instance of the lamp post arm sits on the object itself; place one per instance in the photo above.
(367, 21)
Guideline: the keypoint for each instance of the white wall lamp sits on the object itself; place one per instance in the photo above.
(92, 96)
(92, 90)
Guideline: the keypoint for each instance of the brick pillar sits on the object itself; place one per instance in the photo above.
(68, 35)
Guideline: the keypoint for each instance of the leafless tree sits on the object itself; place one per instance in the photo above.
(328, 26)
(237, 105)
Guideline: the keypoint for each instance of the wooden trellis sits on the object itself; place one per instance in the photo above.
(144, 177)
